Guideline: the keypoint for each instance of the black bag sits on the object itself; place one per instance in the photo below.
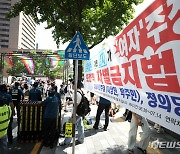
(84, 106)
(65, 89)
(129, 116)
(62, 91)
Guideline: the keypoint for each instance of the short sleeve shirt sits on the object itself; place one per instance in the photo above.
(68, 89)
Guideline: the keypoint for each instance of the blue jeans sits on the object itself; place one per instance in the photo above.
(80, 129)
(3, 145)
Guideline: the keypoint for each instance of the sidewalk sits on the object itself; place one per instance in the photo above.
(112, 141)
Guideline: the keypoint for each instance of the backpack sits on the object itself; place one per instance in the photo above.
(84, 106)
(62, 91)
(65, 89)
(129, 116)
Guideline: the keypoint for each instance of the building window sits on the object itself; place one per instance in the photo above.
(4, 40)
(7, 9)
(4, 46)
(4, 19)
(4, 24)
(3, 14)
(7, 4)
(4, 35)
(4, 30)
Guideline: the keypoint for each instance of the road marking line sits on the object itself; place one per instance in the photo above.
(36, 148)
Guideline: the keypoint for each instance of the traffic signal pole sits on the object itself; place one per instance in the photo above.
(75, 106)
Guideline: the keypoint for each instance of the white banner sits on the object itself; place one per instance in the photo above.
(140, 67)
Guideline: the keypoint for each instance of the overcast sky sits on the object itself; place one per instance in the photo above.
(44, 36)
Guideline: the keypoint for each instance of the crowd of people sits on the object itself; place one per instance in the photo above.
(58, 98)
(38, 91)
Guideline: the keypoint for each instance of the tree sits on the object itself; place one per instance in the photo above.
(94, 19)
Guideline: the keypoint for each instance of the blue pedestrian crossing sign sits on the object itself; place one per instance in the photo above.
(77, 49)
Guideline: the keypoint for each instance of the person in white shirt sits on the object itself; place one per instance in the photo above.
(79, 119)
(68, 95)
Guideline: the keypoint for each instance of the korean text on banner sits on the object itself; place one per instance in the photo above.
(140, 68)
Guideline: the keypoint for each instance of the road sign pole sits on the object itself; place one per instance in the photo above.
(76, 50)
(75, 105)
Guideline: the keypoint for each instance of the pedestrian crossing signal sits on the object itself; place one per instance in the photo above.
(77, 49)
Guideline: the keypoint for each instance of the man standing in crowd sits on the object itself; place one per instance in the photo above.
(68, 93)
(35, 93)
(58, 95)
(62, 93)
(104, 104)
(79, 120)
(92, 99)
(50, 115)
(5, 126)
(26, 91)
(17, 96)
(136, 121)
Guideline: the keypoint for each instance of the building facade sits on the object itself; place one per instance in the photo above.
(16, 33)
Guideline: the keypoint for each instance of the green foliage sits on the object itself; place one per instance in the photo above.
(94, 19)
(17, 68)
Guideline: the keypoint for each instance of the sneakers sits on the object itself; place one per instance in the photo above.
(130, 151)
(62, 144)
(95, 127)
(78, 142)
(156, 126)
(142, 150)
(125, 115)
(160, 130)
(61, 135)
(105, 129)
